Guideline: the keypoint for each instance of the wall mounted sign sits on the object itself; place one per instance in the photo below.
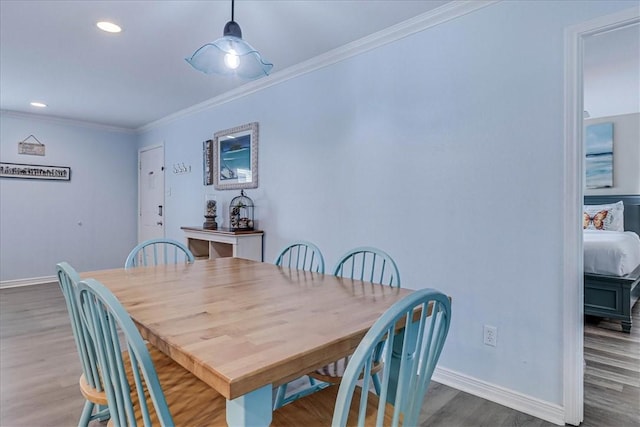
(31, 148)
(235, 158)
(16, 170)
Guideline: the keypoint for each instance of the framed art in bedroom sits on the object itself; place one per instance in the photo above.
(599, 155)
(235, 158)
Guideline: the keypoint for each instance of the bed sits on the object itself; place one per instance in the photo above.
(612, 259)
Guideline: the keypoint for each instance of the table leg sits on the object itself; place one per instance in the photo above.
(253, 409)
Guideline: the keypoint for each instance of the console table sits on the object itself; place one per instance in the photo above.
(222, 243)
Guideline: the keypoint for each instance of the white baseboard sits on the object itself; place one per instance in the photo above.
(27, 282)
(550, 412)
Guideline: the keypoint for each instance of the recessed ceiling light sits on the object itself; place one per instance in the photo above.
(38, 104)
(109, 27)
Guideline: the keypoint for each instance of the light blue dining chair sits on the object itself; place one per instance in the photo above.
(158, 251)
(95, 406)
(143, 386)
(365, 264)
(299, 255)
(368, 264)
(415, 328)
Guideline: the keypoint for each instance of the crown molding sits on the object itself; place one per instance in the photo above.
(67, 122)
(396, 32)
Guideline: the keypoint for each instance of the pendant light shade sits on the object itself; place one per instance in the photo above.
(230, 55)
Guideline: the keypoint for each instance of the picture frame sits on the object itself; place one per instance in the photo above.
(207, 162)
(235, 158)
(599, 155)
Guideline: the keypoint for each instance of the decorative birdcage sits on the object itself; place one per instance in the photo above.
(241, 213)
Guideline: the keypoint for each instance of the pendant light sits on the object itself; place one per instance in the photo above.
(230, 55)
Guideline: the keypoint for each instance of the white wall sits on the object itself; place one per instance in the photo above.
(89, 221)
(445, 149)
(612, 72)
(626, 154)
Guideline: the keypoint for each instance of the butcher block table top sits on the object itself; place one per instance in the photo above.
(240, 325)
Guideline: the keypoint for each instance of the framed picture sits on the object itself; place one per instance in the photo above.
(235, 158)
(207, 162)
(599, 155)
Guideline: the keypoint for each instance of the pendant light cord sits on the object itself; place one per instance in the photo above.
(232, 1)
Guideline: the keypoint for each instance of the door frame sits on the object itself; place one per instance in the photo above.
(140, 151)
(573, 278)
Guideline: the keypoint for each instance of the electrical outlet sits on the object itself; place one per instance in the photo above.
(490, 335)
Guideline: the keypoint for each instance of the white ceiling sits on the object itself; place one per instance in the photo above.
(51, 51)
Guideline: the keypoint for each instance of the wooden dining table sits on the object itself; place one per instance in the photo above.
(245, 327)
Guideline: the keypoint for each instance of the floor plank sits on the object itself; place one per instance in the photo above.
(612, 374)
(39, 370)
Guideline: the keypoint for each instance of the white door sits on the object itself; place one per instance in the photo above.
(151, 193)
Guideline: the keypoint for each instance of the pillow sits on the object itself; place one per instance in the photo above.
(603, 217)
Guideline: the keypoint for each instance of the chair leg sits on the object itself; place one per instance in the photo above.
(86, 414)
(102, 413)
(281, 395)
(282, 391)
(376, 383)
(317, 385)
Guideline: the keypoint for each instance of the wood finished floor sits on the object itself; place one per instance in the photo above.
(612, 375)
(39, 370)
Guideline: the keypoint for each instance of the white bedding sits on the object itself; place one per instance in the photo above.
(613, 253)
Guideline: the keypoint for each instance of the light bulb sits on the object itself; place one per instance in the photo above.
(231, 59)
(109, 27)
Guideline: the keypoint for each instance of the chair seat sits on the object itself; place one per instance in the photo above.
(98, 397)
(191, 401)
(333, 372)
(317, 410)
(92, 394)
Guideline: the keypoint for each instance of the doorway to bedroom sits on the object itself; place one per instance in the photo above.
(611, 101)
(573, 187)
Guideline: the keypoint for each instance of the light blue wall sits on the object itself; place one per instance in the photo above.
(40, 220)
(446, 150)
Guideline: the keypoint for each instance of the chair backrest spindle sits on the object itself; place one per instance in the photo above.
(158, 251)
(68, 279)
(422, 320)
(368, 264)
(90, 382)
(106, 320)
(301, 255)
